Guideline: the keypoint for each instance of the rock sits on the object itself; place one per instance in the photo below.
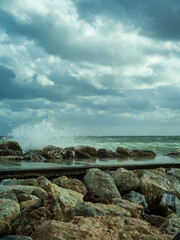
(73, 184)
(10, 182)
(16, 237)
(28, 182)
(27, 204)
(174, 172)
(100, 228)
(135, 209)
(5, 228)
(154, 220)
(177, 237)
(81, 155)
(8, 210)
(88, 209)
(136, 198)
(102, 183)
(175, 153)
(16, 190)
(169, 204)
(68, 197)
(153, 184)
(171, 226)
(126, 152)
(34, 156)
(125, 180)
(104, 153)
(68, 154)
(26, 197)
(10, 148)
(52, 152)
(95, 198)
(87, 149)
(49, 207)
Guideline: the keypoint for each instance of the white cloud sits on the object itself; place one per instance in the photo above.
(44, 81)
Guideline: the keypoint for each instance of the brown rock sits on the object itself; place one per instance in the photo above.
(10, 148)
(73, 184)
(171, 226)
(125, 180)
(8, 210)
(27, 204)
(126, 152)
(99, 228)
(105, 153)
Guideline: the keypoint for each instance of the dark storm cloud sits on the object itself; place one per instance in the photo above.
(160, 19)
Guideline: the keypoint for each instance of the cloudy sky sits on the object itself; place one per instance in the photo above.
(103, 67)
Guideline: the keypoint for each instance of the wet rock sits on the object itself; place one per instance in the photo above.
(126, 152)
(10, 148)
(136, 198)
(174, 172)
(105, 153)
(87, 149)
(16, 190)
(68, 154)
(171, 226)
(88, 209)
(73, 184)
(102, 183)
(169, 204)
(81, 155)
(34, 156)
(5, 228)
(99, 227)
(153, 184)
(135, 209)
(16, 237)
(8, 210)
(52, 152)
(125, 180)
(175, 153)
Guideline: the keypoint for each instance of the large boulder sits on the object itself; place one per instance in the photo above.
(10, 148)
(8, 210)
(126, 152)
(125, 180)
(102, 183)
(99, 227)
(153, 184)
(87, 149)
(88, 209)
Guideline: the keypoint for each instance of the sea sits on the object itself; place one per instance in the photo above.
(39, 135)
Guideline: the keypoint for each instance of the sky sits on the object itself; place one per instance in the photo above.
(102, 67)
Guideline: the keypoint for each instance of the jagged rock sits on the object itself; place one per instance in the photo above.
(26, 197)
(175, 153)
(95, 198)
(28, 182)
(126, 152)
(81, 155)
(154, 220)
(10, 148)
(105, 153)
(68, 197)
(100, 228)
(5, 228)
(153, 184)
(135, 209)
(52, 152)
(87, 149)
(136, 198)
(9, 182)
(125, 180)
(169, 204)
(16, 237)
(73, 184)
(88, 209)
(68, 154)
(102, 183)
(8, 210)
(175, 172)
(171, 226)
(16, 190)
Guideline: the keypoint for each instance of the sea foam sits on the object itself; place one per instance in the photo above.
(41, 134)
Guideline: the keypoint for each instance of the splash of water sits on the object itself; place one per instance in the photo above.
(41, 134)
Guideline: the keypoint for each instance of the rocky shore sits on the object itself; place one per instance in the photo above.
(121, 204)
